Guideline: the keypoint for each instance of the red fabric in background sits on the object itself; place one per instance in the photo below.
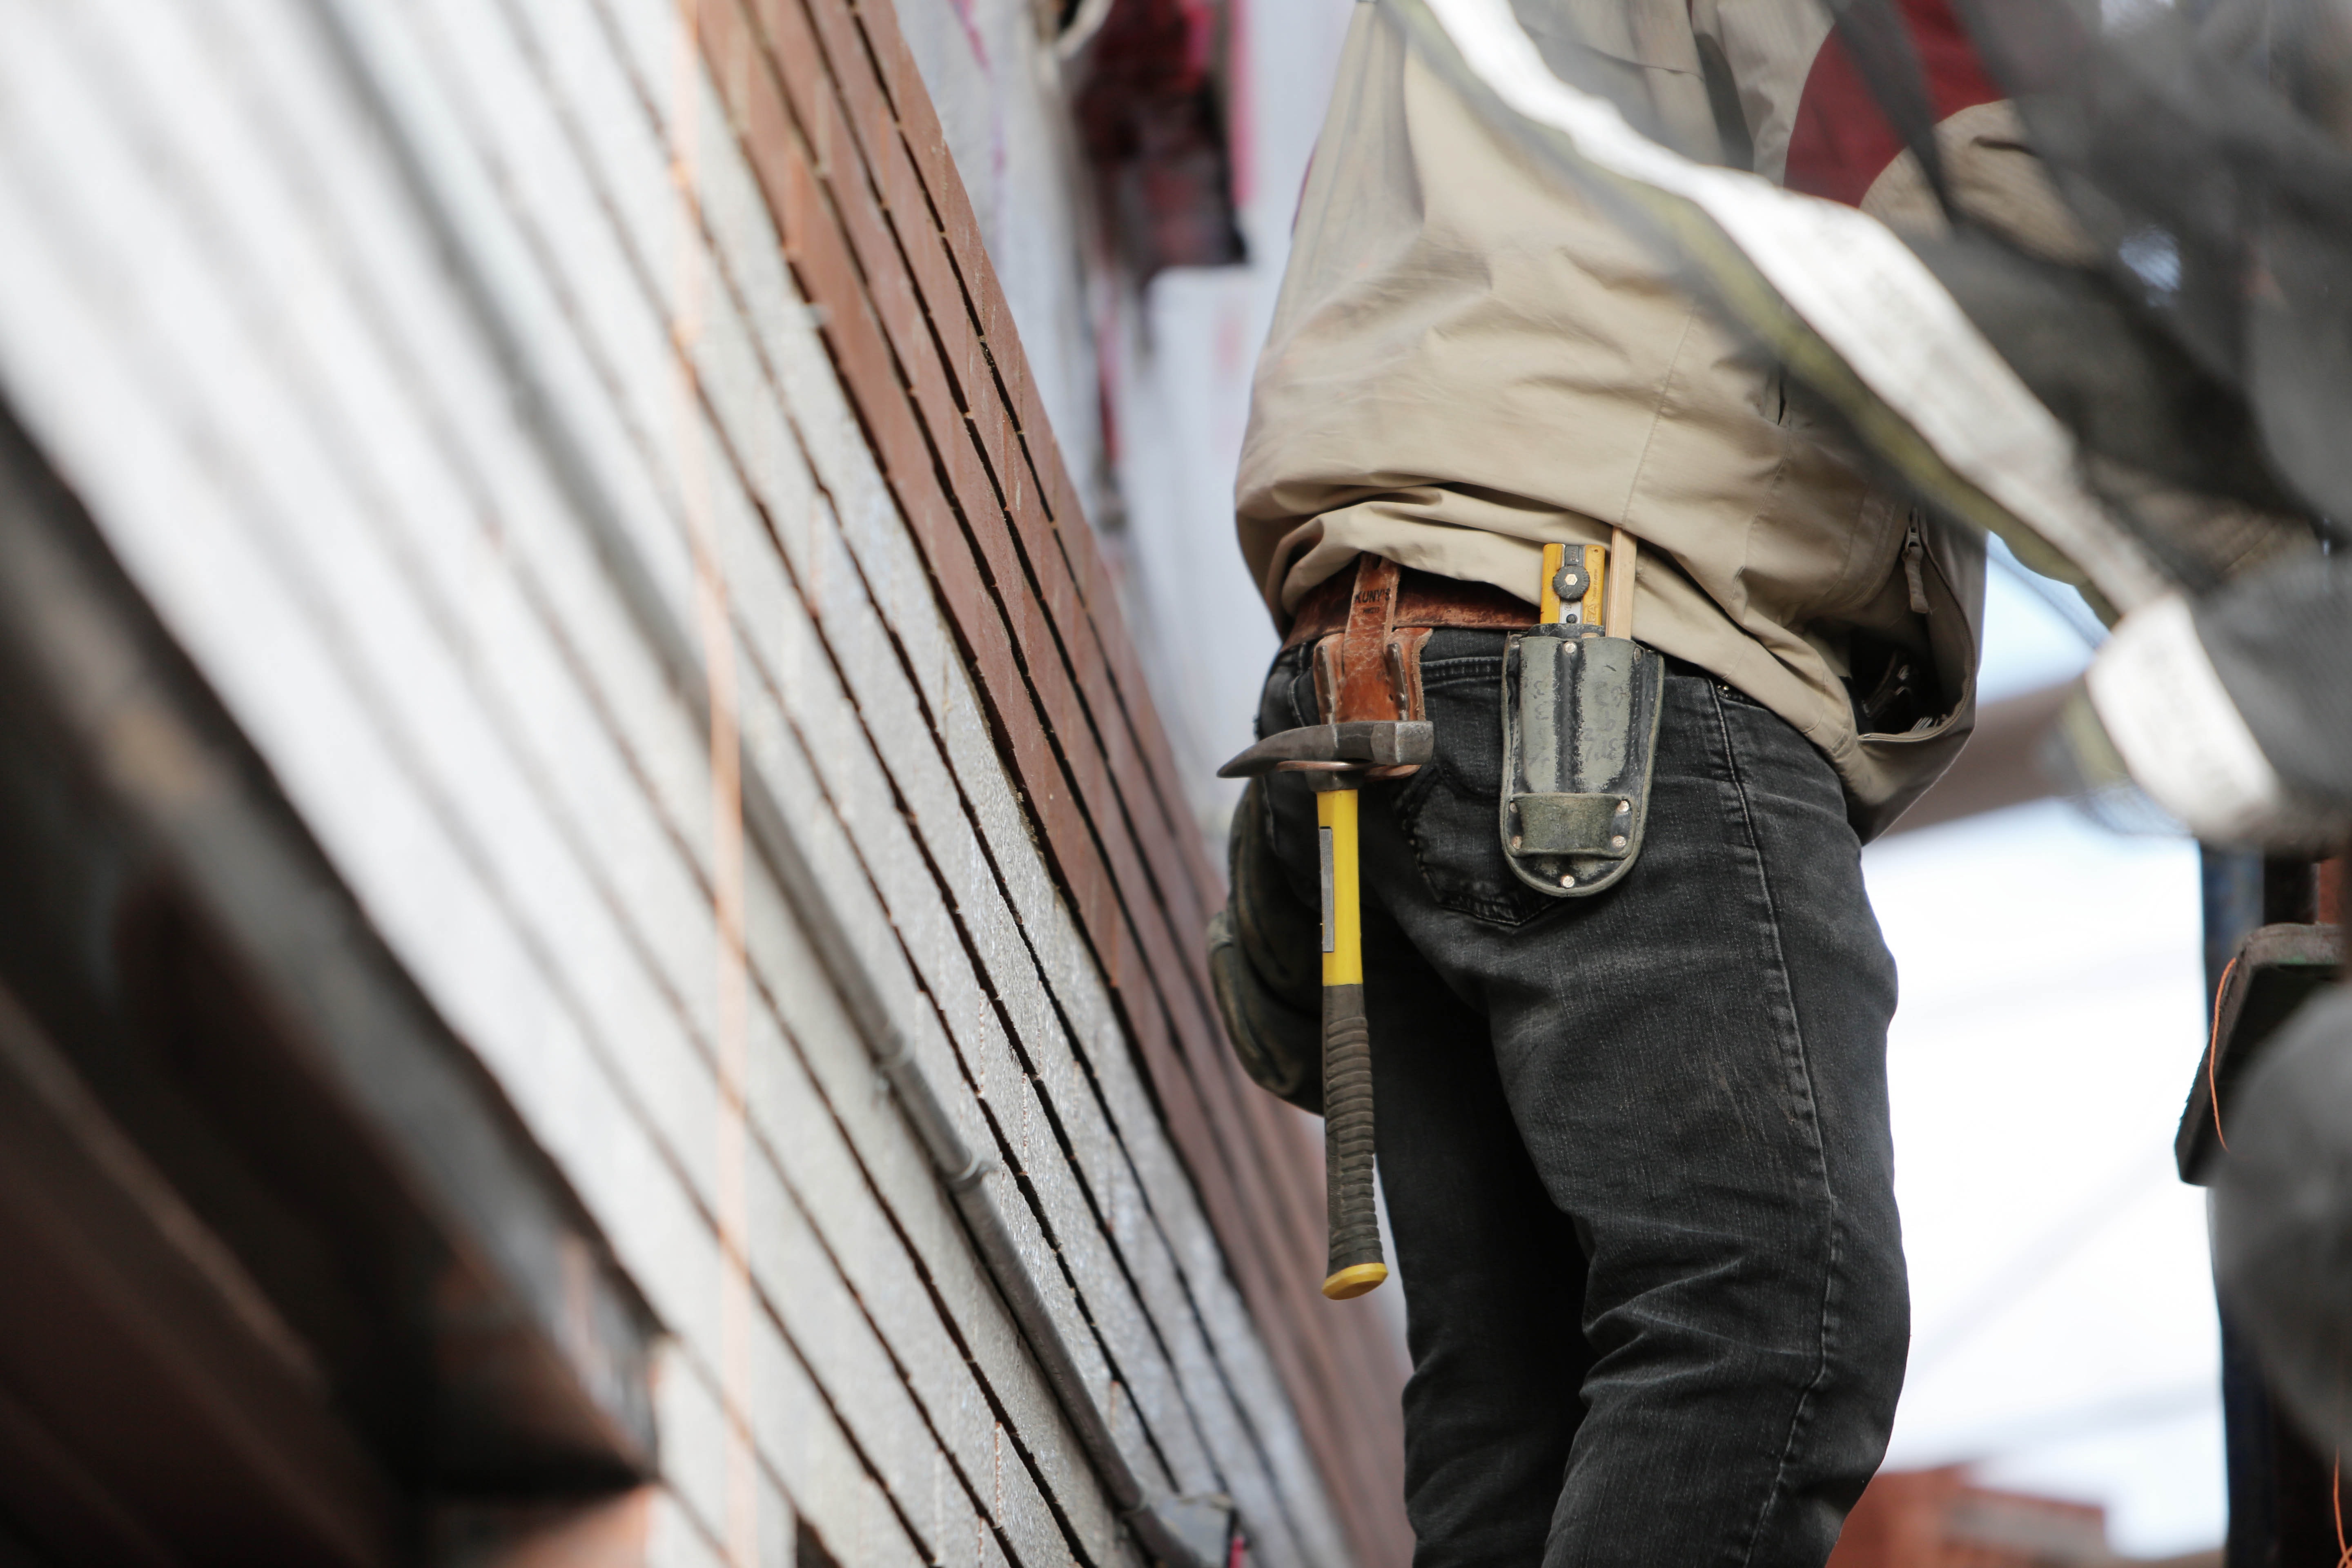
(1842, 141)
(1152, 114)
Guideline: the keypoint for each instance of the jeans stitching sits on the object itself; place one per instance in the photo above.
(1798, 1418)
(1462, 670)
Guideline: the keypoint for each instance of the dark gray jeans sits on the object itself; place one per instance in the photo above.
(1635, 1147)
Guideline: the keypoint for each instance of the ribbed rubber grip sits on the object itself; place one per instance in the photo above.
(1357, 1265)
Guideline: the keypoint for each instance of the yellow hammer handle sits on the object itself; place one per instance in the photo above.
(1357, 1263)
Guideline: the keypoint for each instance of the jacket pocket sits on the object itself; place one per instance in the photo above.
(1951, 643)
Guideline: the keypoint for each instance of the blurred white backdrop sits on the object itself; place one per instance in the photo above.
(2063, 1338)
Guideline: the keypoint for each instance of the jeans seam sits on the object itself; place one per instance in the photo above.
(1827, 1331)
(1472, 669)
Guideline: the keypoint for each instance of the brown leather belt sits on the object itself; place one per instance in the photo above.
(1423, 599)
(1367, 626)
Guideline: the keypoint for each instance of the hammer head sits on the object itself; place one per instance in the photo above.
(1334, 748)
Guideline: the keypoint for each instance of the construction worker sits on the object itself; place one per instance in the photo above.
(1633, 1141)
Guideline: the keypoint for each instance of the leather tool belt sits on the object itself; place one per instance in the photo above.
(1579, 712)
(1368, 626)
(1424, 599)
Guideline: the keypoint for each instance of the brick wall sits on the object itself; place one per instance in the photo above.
(581, 445)
(874, 223)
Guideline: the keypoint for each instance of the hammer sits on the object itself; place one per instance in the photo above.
(1339, 757)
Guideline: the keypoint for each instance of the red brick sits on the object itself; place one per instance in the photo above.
(880, 235)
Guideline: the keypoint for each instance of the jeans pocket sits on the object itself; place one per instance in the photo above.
(1450, 813)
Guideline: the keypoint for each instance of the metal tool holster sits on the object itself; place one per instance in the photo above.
(1580, 716)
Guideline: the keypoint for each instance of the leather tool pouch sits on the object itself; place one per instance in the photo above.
(1579, 744)
(1399, 675)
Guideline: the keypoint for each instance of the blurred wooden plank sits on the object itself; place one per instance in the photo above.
(152, 1402)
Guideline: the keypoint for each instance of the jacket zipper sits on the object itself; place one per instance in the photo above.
(1914, 553)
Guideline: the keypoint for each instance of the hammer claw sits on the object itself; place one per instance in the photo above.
(1350, 744)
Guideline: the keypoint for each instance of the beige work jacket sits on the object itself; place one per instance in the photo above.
(1468, 361)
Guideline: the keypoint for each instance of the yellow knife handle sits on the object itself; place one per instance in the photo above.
(1551, 609)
